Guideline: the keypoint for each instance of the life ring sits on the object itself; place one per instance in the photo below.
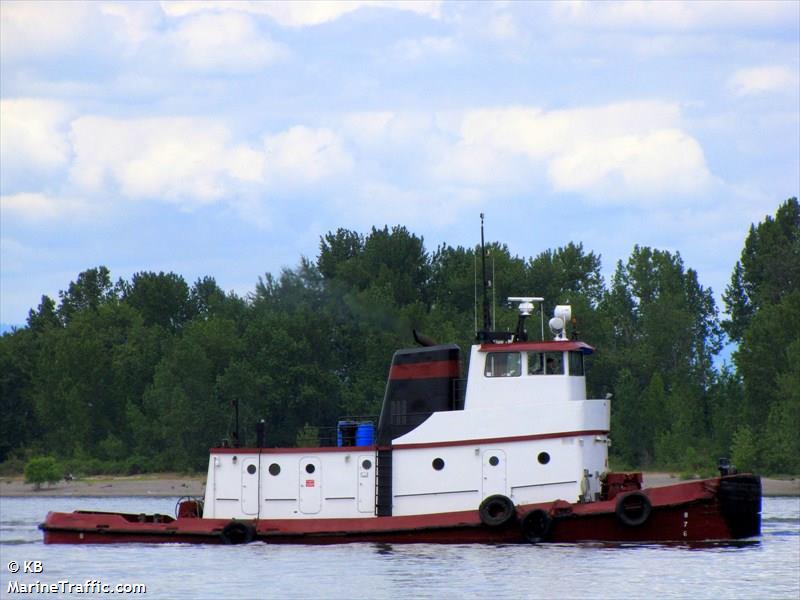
(237, 532)
(633, 509)
(496, 510)
(536, 526)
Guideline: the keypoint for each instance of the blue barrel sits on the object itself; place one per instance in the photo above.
(365, 434)
(346, 433)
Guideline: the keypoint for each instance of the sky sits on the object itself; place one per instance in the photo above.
(224, 138)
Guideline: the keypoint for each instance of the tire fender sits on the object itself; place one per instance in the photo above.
(496, 510)
(535, 526)
(633, 509)
(237, 532)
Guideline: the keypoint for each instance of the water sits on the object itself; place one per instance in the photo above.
(768, 568)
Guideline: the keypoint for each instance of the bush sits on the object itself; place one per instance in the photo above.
(744, 452)
(42, 469)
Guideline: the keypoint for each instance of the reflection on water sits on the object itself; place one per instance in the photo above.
(768, 567)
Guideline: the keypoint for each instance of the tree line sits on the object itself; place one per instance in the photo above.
(140, 375)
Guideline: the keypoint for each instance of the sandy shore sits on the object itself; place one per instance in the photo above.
(174, 485)
(161, 485)
(769, 487)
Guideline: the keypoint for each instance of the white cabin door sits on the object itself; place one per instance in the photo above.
(310, 485)
(366, 484)
(494, 473)
(250, 477)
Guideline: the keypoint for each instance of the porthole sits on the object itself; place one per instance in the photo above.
(494, 461)
(366, 464)
(251, 469)
(438, 464)
(310, 468)
(543, 458)
(274, 469)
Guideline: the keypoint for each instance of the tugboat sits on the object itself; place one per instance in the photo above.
(517, 454)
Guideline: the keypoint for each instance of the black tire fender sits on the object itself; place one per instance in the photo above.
(237, 532)
(496, 510)
(535, 526)
(633, 509)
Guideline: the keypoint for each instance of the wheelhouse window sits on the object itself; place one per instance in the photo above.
(545, 363)
(576, 363)
(503, 364)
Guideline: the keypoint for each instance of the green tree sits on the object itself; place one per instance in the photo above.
(660, 320)
(42, 469)
(92, 288)
(769, 268)
(161, 298)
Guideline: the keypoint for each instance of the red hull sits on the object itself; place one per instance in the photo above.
(714, 509)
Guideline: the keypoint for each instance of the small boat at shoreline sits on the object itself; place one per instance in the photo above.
(513, 453)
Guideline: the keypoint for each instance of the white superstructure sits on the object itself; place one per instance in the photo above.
(523, 429)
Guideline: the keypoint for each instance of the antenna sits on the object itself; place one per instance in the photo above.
(494, 304)
(475, 290)
(487, 318)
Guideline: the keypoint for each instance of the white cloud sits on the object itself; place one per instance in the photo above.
(183, 160)
(503, 26)
(663, 162)
(229, 42)
(765, 79)
(425, 47)
(32, 30)
(42, 207)
(614, 151)
(674, 15)
(38, 28)
(191, 161)
(33, 135)
(303, 155)
(301, 14)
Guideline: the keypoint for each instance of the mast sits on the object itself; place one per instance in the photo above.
(487, 318)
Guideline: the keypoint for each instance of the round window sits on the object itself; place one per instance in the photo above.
(543, 458)
(366, 465)
(438, 464)
(494, 461)
(251, 469)
(310, 468)
(274, 469)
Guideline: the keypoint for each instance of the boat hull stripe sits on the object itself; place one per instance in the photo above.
(425, 370)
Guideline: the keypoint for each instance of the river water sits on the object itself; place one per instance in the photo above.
(766, 568)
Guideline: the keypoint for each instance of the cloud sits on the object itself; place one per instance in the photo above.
(762, 80)
(193, 161)
(33, 135)
(183, 160)
(425, 47)
(223, 42)
(674, 15)
(663, 162)
(303, 155)
(42, 207)
(614, 151)
(302, 14)
(37, 28)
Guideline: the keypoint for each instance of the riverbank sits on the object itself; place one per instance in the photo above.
(161, 485)
(174, 485)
